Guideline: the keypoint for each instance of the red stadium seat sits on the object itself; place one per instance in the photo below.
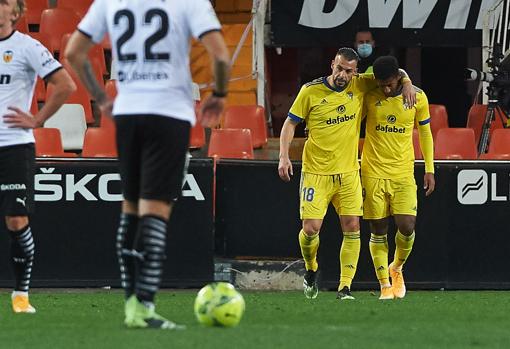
(99, 143)
(438, 118)
(107, 122)
(455, 143)
(251, 117)
(494, 156)
(500, 141)
(79, 6)
(34, 107)
(40, 90)
(34, 10)
(499, 146)
(197, 137)
(111, 88)
(56, 22)
(476, 118)
(106, 43)
(48, 143)
(231, 144)
(22, 25)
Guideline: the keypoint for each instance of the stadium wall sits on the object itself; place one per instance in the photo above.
(75, 222)
(463, 239)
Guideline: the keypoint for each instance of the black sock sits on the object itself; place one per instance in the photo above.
(152, 242)
(22, 257)
(126, 234)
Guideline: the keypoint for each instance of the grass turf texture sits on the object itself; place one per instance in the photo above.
(272, 320)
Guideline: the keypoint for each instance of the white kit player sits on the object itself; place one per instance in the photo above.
(153, 114)
(22, 60)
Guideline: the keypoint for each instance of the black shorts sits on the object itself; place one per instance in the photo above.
(17, 163)
(152, 155)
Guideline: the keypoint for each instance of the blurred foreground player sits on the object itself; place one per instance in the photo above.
(153, 114)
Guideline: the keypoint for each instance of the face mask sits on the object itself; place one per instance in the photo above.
(364, 50)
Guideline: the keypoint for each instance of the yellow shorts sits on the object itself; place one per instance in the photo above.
(386, 197)
(342, 190)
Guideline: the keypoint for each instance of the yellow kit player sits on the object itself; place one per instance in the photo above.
(331, 108)
(387, 171)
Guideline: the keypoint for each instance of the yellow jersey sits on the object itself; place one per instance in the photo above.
(333, 119)
(388, 148)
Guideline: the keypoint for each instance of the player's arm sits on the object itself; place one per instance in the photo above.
(63, 87)
(76, 53)
(286, 136)
(366, 82)
(297, 113)
(426, 142)
(212, 107)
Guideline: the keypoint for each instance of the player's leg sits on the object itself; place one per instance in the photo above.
(127, 255)
(129, 144)
(314, 200)
(16, 202)
(163, 164)
(376, 211)
(348, 202)
(309, 244)
(349, 254)
(22, 259)
(404, 206)
(379, 252)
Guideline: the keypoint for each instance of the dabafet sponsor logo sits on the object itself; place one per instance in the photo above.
(340, 119)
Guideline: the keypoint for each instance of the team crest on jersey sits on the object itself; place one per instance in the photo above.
(350, 95)
(391, 119)
(324, 101)
(8, 56)
(341, 109)
(378, 104)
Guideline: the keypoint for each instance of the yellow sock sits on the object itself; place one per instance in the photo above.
(404, 245)
(379, 252)
(349, 254)
(309, 246)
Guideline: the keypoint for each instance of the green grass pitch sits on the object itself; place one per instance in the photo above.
(74, 319)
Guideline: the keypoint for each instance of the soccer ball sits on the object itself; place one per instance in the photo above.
(219, 304)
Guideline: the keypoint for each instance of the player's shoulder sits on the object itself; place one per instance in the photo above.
(374, 93)
(314, 82)
(25, 41)
(420, 94)
(313, 87)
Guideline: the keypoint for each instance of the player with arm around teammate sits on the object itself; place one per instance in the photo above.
(153, 115)
(387, 171)
(331, 108)
(24, 58)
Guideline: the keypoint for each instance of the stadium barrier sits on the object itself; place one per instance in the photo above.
(75, 222)
(462, 232)
(462, 242)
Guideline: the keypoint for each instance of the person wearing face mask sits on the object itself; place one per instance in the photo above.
(365, 47)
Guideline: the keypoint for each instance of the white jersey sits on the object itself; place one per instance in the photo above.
(23, 58)
(150, 44)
